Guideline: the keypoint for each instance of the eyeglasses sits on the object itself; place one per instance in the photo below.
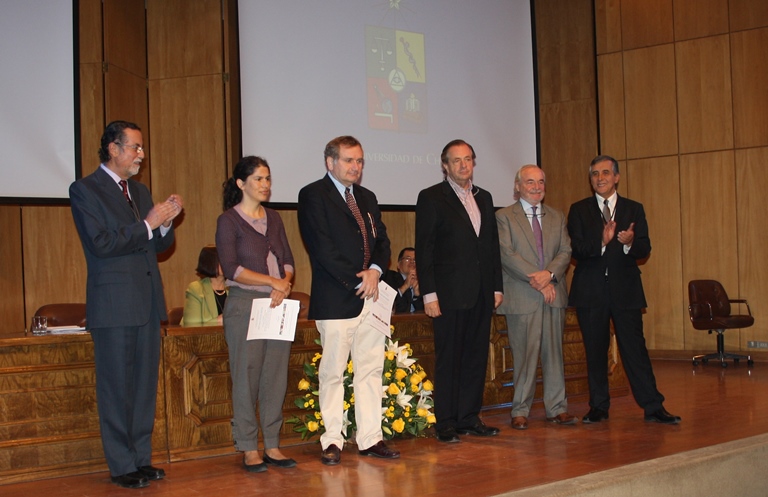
(138, 149)
(409, 260)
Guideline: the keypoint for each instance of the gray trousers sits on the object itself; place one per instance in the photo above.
(259, 371)
(531, 335)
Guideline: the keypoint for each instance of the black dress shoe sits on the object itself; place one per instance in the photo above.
(595, 416)
(280, 463)
(380, 450)
(331, 456)
(151, 472)
(255, 468)
(448, 435)
(663, 417)
(131, 480)
(479, 429)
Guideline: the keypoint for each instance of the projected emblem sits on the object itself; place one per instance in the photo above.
(396, 79)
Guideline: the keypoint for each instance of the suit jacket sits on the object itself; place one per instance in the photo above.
(335, 246)
(519, 257)
(403, 302)
(200, 303)
(123, 276)
(454, 261)
(585, 226)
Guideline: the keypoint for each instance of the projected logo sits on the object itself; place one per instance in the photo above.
(396, 79)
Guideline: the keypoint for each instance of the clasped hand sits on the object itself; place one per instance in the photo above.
(164, 212)
(369, 288)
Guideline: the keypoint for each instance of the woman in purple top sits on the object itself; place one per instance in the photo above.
(258, 263)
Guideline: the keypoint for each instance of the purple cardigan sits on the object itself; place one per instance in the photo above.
(239, 244)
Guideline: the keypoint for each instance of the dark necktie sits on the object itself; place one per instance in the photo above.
(539, 237)
(124, 185)
(359, 218)
(606, 212)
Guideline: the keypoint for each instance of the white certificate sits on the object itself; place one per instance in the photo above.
(381, 310)
(273, 323)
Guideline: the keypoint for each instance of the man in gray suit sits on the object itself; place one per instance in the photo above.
(122, 232)
(535, 252)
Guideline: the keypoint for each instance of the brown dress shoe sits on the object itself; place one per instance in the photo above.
(563, 419)
(331, 456)
(520, 423)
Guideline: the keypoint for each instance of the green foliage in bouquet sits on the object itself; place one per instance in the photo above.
(406, 403)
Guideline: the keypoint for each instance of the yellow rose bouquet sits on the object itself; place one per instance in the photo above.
(406, 403)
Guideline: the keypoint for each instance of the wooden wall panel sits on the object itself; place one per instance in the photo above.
(751, 185)
(748, 14)
(663, 269)
(646, 23)
(91, 115)
(699, 18)
(607, 26)
(173, 27)
(570, 125)
(401, 229)
(705, 108)
(610, 84)
(89, 31)
(709, 242)
(749, 52)
(651, 108)
(565, 50)
(126, 99)
(11, 277)
(54, 264)
(125, 35)
(189, 154)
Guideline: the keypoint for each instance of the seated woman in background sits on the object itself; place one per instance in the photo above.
(204, 301)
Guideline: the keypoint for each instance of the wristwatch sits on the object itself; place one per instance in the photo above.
(552, 277)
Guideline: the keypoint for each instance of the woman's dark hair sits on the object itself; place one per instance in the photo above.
(244, 168)
(114, 133)
(208, 262)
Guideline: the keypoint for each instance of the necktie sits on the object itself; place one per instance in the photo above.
(124, 185)
(539, 237)
(359, 218)
(606, 212)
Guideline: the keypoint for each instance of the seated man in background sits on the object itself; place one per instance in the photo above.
(405, 281)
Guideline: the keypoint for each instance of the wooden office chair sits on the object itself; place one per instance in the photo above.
(710, 309)
(175, 314)
(303, 299)
(63, 314)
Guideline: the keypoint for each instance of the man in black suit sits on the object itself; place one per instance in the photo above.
(460, 279)
(122, 232)
(406, 282)
(347, 243)
(609, 235)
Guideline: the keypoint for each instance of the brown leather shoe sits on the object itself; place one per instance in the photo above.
(563, 419)
(331, 456)
(380, 450)
(520, 423)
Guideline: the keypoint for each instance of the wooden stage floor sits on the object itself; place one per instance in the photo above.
(717, 405)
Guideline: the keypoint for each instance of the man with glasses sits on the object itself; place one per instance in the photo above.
(122, 232)
(406, 282)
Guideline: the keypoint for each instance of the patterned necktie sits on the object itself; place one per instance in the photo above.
(359, 218)
(606, 212)
(539, 237)
(124, 185)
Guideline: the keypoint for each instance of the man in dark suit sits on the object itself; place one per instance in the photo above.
(460, 279)
(406, 282)
(122, 232)
(535, 253)
(347, 243)
(609, 235)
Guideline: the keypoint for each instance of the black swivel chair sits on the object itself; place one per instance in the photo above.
(710, 309)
